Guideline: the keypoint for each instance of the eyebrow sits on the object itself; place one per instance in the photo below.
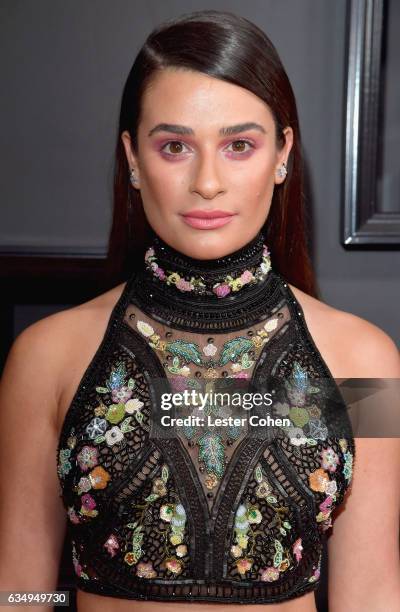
(224, 131)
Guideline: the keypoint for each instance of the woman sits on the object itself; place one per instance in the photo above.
(209, 150)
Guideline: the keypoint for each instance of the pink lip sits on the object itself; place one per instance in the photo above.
(207, 219)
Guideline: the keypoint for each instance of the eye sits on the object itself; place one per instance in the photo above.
(174, 147)
(240, 146)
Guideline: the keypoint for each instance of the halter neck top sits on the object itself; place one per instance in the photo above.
(198, 498)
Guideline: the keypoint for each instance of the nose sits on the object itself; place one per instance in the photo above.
(206, 180)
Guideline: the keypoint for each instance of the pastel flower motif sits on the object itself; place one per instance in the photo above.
(115, 413)
(242, 540)
(236, 367)
(296, 396)
(210, 349)
(64, 465)
(271, 325)
(167, 512)
(160, 273)
(265, 267)
(211, 481)
(184, 371)
(145, 329)
(299, 416)
(246, 277)
(174, 565)
(159, 487)
(96, 427)
(254, 515)
(88, 505)
(263, 489)
(269, 574)
(173, 278)
(235, 284)
(296, 435)
(130, 558)
(149, 253)
(121, 395)
(240, 375)
(181, 550)
(282, 409)
(318, 480)
(323, 516)
(112, 545)
(331, 488)
(179, 518)
(99, 477)
(297, 549)
(244, 565)
(314, 411)
(176, 538)
(114, 435)
(236, 551)
(326, 505)
(145, 570)
(184, 285)
(284, 565)
(343, 444)
(317, 430)
(72, 515)
(87, 458)
(329, 459)
(133, 405)
(348, 465)
(315, 576)
(84, 485)
(221, 290)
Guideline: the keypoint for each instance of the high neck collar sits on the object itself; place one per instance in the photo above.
(216, 278)
(188, 310)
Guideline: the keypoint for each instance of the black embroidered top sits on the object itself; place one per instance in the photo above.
(232, 503)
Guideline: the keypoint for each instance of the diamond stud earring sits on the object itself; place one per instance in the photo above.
(132, 177)
(282, 171)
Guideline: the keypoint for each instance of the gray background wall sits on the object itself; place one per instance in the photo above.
(64, 66)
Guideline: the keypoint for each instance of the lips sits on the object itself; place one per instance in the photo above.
(207, 219)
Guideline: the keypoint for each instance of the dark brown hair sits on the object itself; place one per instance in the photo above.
(228, 47)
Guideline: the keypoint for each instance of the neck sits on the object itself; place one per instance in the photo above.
(218, 278)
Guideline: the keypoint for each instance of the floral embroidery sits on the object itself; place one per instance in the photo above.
(329, 459)
(348, 465)
(145, 570)
(112, 545)
(247, 515)
(64, 464)
(221, 289)
(87, 458)
(174, 515)
(77, 565)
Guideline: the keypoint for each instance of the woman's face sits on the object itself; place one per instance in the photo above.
(205, 146)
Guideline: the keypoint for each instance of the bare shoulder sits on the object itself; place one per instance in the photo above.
(351, 346)
(61, 346)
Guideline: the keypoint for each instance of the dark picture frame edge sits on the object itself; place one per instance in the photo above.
(362, 224)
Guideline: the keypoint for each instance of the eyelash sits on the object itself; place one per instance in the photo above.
(236, 153)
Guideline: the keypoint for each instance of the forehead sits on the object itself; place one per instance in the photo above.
(193, 98)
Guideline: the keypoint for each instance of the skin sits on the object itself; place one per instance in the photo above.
(40, 380)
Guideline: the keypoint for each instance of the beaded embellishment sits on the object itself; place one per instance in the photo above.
(198, 286)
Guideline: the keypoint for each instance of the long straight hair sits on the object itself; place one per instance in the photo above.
(231, 48)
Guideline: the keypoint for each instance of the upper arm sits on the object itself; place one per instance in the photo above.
(32, 518)
(363, 548)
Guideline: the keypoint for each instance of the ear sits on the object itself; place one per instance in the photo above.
(283, 155)
(131, 157)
